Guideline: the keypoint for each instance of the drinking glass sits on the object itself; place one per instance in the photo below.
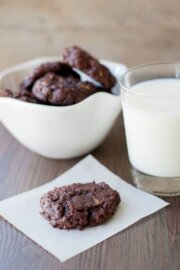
(152, 126)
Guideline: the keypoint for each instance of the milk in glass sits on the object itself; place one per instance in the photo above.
(152, 124)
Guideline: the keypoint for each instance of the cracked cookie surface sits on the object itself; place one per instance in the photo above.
(57, 90)
(79, 205)
(82, 60)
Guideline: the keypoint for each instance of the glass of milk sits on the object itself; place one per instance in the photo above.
(151, 110)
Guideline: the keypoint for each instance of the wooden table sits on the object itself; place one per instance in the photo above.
(132, 32)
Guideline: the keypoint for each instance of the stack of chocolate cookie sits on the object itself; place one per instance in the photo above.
(57, 83)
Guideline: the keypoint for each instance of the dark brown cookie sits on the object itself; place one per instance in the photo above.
(79, 205)
(26, 96)
(58, 68)
(57, 90)
(82, 60)
(27, 99)
(6, 93)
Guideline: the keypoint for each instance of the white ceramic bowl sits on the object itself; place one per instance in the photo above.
(53, 131)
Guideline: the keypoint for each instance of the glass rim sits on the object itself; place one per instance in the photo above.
(129, 89)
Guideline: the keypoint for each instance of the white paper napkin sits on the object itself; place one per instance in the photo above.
(23, 211)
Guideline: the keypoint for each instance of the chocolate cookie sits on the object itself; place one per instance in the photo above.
(79, 205)
(58, 90)
(27, 99)
(26, 96)
(58, 68)
(82, 60)
(6, 93)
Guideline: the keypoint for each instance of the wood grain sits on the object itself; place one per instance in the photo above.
(132, 32)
